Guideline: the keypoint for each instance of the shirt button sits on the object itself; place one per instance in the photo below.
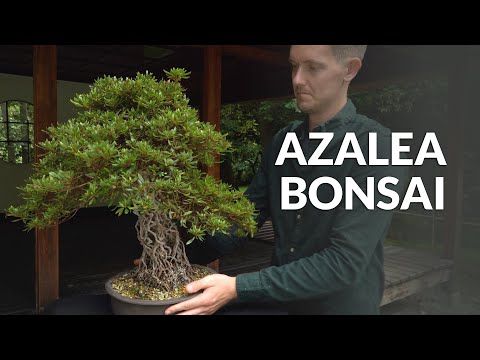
(299, 216)
(292, 250)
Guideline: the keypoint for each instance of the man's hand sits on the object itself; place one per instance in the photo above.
(218, 291)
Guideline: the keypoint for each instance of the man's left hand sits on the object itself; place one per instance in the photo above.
(218, 290)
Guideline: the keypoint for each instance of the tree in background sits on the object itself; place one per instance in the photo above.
(249, 126)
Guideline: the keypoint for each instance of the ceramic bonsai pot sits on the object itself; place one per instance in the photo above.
(122, 305)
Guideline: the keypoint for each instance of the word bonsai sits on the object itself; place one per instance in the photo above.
(136, 145)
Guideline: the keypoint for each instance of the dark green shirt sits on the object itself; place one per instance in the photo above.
(325, 262)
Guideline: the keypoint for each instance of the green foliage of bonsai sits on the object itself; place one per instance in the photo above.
(137, 146)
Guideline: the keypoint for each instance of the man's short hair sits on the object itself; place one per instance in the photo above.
(342, 52)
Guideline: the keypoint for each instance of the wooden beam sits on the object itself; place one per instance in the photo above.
(256, 54)
(211, 105)
(45, 115)
(251, 53)
(212, 92)
(457, 107)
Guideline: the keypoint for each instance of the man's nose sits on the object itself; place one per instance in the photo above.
(298, 78)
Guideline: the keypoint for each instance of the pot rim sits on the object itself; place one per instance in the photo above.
(171, 301)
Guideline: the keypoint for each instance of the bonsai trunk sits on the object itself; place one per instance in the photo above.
(163, 264)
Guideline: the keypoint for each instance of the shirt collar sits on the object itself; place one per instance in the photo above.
(344, 116)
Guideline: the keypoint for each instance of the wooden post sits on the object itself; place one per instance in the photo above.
(457, 110)
(212, 93)
(45, 114)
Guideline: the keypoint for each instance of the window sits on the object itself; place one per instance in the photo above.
(16, 132)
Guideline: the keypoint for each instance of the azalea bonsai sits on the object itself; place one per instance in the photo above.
(136, 145)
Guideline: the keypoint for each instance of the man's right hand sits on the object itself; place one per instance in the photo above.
(136, 262)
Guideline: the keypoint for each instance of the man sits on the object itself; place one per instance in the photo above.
(326, 262)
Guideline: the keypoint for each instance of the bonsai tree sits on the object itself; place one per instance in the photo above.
(137, 146)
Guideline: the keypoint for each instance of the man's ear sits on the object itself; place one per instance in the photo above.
(353, 67)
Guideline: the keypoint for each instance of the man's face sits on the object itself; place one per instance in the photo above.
(317, 77)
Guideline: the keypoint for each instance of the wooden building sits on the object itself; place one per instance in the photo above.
(228, 74)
